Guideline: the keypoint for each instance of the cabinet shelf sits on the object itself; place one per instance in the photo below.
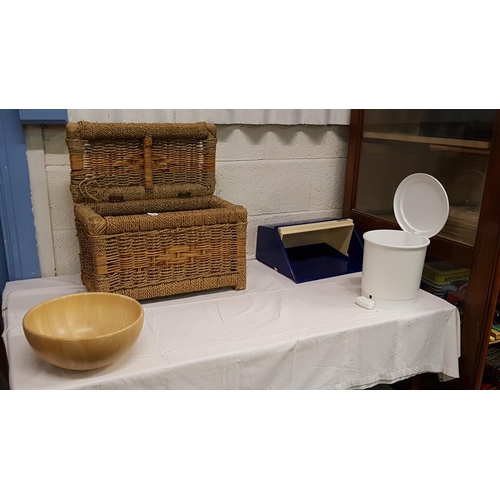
(440, 248)
(472, 145)
(460, 227)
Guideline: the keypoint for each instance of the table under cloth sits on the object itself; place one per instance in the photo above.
(276, 334)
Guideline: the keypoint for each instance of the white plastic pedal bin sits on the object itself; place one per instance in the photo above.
(393, 260)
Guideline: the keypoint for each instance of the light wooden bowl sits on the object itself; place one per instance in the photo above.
(84, 331)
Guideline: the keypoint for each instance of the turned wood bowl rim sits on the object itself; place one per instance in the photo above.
(79, 339)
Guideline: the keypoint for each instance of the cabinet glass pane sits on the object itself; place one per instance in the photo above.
(451, 145)
(446, 281)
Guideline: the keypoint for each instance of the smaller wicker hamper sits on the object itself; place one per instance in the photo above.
(147, 221)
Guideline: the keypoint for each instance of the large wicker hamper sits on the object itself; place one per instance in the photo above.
(147, 221)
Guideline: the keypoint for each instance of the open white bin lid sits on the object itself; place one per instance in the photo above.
(421, 205)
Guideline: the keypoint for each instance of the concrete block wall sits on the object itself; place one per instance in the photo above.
(278, 173)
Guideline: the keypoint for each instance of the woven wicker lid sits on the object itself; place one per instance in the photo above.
(131, 161)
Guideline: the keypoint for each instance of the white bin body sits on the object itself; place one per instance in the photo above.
(393, 262)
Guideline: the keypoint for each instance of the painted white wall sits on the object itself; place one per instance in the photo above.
(278, 173)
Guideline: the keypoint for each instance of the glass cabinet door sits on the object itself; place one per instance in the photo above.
(461, 149)
(451, 145)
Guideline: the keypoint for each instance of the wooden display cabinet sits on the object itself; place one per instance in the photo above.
(460, 148)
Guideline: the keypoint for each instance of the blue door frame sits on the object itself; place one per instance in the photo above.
(4, 274)
(16, 211)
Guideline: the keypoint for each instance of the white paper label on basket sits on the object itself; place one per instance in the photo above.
(152, 213)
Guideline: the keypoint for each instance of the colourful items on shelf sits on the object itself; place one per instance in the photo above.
(441, 272)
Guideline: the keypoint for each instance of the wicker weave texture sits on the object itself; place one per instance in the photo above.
(147, 222)
(127, 250)
(148, 215)
(108, 161)
(133, 263)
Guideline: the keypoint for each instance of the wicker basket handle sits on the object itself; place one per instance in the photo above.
(148, 164)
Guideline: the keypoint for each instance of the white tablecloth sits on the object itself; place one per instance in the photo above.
(274, 335)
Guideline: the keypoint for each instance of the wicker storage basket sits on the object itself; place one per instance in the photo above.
(147, 221)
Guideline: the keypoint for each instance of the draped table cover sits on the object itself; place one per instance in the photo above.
(274, 335)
